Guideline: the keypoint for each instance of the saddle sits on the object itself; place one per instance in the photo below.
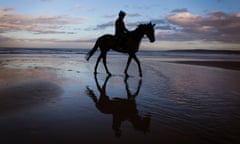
(121, 41)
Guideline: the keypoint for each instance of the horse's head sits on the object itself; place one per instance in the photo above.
(149, 31)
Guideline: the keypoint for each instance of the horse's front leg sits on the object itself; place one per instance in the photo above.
(139, 65)
(128, 62)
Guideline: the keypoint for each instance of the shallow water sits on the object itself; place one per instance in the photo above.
(172, 103)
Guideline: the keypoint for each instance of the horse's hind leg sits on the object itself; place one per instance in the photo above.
(105, 63)
(139, 65)
(96, 65)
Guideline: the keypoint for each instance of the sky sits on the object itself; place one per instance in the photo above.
(180, 24)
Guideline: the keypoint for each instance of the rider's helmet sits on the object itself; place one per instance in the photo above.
(122, 13)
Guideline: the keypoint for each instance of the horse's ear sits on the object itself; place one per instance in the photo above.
(150, 23)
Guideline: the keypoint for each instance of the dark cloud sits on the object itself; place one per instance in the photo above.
(109, 16)
(82, 41)
(161, 24)
(14, 42)
(3, 30)
(4, 39)
(6, 9)
(158, 21)
(180, 10)
(52, 32)
(164, 27)
(128, 15)
(46, 0)
(134, 15)
(129, 25)
(103, 26)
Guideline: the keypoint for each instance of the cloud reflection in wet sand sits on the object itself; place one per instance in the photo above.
(28, 94)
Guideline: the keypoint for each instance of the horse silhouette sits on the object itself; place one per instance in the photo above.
(131, 46)
(122, 109)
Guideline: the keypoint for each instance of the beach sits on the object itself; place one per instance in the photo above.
(56, 98)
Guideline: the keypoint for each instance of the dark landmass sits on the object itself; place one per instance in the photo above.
(233, 65)
(202, 51)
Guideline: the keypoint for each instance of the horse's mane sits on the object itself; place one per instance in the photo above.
(141, 26)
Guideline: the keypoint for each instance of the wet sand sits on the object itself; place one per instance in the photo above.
(58, 99)
(27, 94)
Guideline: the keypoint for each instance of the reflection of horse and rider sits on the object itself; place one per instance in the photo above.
(122, 109)
(123, 41)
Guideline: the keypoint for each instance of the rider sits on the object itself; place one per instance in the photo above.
(120, 29)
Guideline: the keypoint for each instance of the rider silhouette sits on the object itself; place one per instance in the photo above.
(120, 29)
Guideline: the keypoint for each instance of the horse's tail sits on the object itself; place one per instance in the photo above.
(92, 51)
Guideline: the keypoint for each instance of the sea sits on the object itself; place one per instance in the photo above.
(194, 53)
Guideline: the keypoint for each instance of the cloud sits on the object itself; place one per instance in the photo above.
(79, 7)
(10, 21)
(45, 42)
(129, 25)
(2, 30)
(104, 25)
(180, 10)
(4, 39)
(6, 9)
(215, 26)
(82, 8)
(134, 15)
(112, 16)
(183, 19)
(46, 0)
(161, 24)
(164, 27)
(158, 21)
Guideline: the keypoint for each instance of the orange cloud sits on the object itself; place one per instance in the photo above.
(216, 26)
(184, 19)
(34, 23)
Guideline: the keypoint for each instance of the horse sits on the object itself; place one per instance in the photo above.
(130, 46)
(121, 109)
